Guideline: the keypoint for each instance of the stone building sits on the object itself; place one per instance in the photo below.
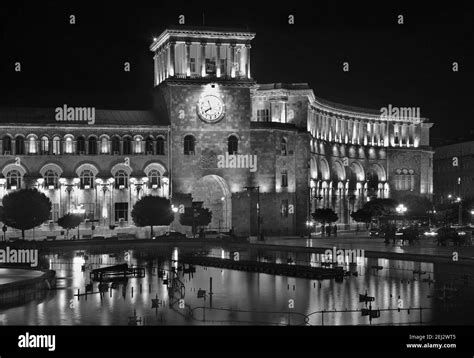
(246, 150)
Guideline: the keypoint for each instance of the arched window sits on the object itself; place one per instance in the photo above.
(44, 147)
(189, 144)
(104, 145)
(81, 145)
(7, 145)
(154, 179)
(232, 144)
(160, 146)
(19, 145)
(115, 145)
(121, 179)
(32, 145)
(56, 145)
(404, 179)
(68, 144)
(51, 179)
(13, 180)
(127, 145)
(87, 179)
(92, 146)
(149, 146)
(283, 147)
(137, 143)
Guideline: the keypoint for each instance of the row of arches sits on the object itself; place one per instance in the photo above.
(51, 177)
(343, 169)
(91, 145)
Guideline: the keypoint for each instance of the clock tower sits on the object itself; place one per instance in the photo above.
(202, 86)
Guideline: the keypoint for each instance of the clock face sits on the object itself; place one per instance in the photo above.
(211, 108)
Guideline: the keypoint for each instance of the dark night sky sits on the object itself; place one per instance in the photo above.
(407, 65)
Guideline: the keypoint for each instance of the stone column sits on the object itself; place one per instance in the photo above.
(166, 62)
(172, 58)
(203, 59)
(232, 60)
(157, 70)
(218, 60)
(188, 59)
(247, 46)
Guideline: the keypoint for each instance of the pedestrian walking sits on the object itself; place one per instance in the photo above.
(328, 230)
(334, 230)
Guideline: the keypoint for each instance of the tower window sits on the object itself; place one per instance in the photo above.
(283, 147)
(284, 178)
(232, 145)
(189, 144)
(284, 208)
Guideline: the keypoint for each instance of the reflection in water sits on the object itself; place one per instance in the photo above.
(241, 297)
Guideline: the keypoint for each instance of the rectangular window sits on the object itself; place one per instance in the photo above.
(284, 178)
(192, 64)
(121, 211)
(263, 115)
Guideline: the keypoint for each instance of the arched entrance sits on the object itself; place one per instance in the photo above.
(214, 192)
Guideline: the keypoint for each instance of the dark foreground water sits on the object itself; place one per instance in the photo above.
(248, 298)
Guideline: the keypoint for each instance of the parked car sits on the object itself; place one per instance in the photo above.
(170, 235)
(212, 234)
(376, 233)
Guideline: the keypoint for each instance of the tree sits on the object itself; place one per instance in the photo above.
(380, 207)
(195, 217)
(362, 216)
(25, 209)
(325, 216)
(70, 221)
(152, 211)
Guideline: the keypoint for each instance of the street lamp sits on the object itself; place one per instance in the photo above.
(401, 209)
(258, 207)
(309, 225)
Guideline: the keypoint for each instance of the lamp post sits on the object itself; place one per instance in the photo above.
(401, 209)
(258, 207)
(104, 187)
(459, 200)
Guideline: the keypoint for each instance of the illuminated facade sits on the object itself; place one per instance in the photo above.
(245, 150)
